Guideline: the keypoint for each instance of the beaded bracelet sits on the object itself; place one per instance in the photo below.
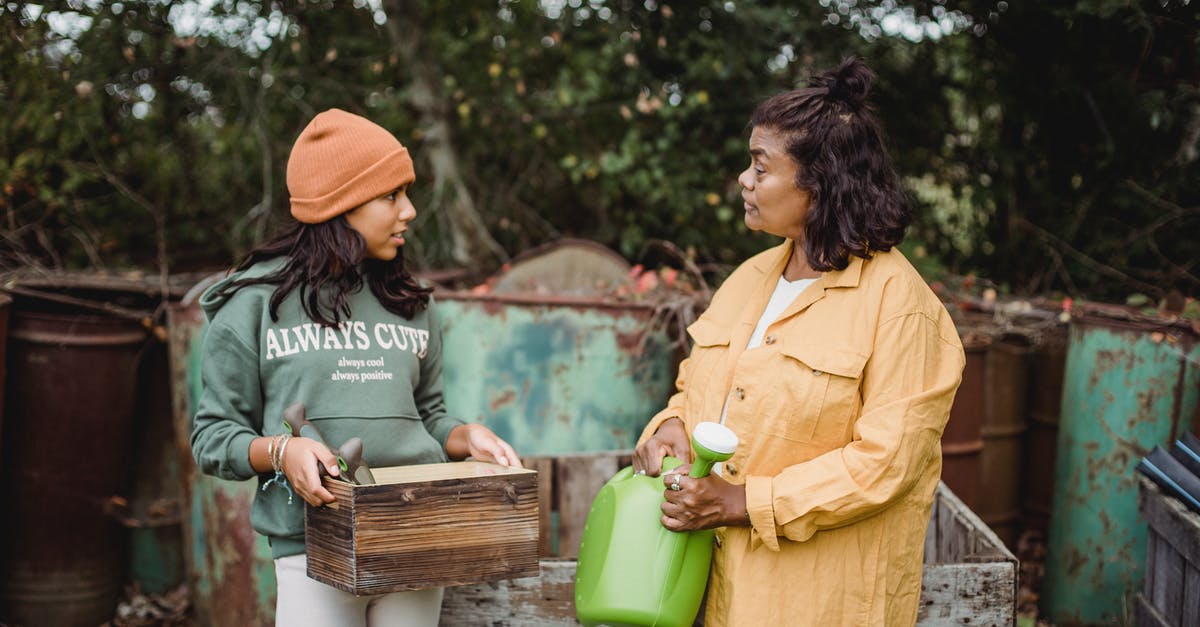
(275, 451)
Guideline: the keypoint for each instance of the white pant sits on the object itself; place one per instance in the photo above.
(304, 602)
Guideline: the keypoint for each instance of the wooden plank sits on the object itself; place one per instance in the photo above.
(1146, 615)
(1152, 541)
(931, 534)
(578, 480)
(1168, 597)
(968, 594)
(1191, 596)
(548, 599)
(545, 469)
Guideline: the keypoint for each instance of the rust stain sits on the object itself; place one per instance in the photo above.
(234, 588)
(629, 342)
(507, 397)
(1075, 561)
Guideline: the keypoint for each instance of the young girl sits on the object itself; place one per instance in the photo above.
(327, 315)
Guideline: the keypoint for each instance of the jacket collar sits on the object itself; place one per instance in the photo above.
(772, 265)
(771, 268)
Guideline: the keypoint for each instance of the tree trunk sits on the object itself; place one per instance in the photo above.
(470, 242)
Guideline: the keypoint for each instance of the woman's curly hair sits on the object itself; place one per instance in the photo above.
(327, 263)
(857, 205)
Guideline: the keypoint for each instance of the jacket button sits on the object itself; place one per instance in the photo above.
(817, 373)
(739, 393)
(770, 339)
(732, 469)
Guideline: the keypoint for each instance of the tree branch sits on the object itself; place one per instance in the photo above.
(1082, 258)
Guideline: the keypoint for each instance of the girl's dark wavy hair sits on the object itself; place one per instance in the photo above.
(326, 263)
(857, 204)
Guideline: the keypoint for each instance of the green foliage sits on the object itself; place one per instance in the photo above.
(1038, 158)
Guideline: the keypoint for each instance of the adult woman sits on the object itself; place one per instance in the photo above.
(835, 365)
(327, 315)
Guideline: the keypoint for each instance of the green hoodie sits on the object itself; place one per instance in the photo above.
(376, 376)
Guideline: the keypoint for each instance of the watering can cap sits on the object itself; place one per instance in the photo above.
(715, 437)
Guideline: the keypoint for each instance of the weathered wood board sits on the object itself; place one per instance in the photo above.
(1170, 596)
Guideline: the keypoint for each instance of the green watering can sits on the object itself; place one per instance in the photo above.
(632, 571)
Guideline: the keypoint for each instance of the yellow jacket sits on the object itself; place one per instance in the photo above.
(839, 415)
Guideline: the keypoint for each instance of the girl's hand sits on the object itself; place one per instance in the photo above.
(477, 441)
(701, 503)
(670, 439)
(302, 461)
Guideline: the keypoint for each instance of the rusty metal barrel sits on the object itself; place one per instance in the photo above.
(153, 515)
(962, 441)
(1004, 423)
(1047, 360)
(71, 391)
(1130, 384)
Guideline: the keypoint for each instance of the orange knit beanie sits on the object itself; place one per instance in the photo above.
(341, 161)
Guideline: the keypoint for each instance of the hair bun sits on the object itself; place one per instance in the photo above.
(850, 83)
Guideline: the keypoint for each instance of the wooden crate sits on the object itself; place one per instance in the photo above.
(969, 576)
(426, 526)
(1171, 593)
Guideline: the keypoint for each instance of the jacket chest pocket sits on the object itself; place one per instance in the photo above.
(821, 388)
(707, 360)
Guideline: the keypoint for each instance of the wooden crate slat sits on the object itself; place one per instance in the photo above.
(931, 534)
(975, 594)
(578, 480)
(1146, 615)
(1168, 571)
(1148, 585)
(534, 601)
(545, 469)
(1191, 596)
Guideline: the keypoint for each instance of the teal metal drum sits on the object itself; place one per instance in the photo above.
(1130, 383)
(229, 566)
(555, 375)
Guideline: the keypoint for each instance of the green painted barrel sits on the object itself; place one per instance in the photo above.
(1129, 384)
(229, 566)
(555, 375)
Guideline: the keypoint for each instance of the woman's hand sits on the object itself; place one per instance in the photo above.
(701, 503)
(671, 438)
(302, 462)
(475, 440)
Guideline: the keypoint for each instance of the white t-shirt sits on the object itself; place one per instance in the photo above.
(785, 292)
